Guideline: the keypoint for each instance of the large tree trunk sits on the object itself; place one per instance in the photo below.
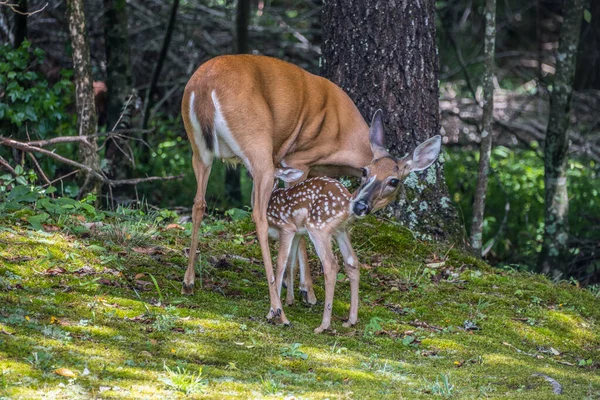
(20, 23)
(554, 252)
(233, 190)
(84, 93)
(486, 132)
(383, 54)
(118, 81)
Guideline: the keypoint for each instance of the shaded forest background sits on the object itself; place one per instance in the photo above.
(37, 103)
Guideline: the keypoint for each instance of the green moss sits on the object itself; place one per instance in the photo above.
(98, 324)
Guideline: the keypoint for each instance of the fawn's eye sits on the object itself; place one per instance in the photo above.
(394, 182)
(364, 172)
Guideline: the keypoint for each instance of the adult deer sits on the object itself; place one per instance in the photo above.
(267, 112)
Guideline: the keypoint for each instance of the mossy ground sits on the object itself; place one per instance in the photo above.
(88, 303)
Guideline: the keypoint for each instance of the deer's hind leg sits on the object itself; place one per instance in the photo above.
(202, 172)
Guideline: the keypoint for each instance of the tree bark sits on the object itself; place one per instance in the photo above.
(552, 259)
(486, 132)
(20, 23)
(383, 54)
(159, 64)
(84, 94)
(233, 189)
(118, 81)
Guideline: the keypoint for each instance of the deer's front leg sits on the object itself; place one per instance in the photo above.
(263, 187)
(322, 244)
(352, 267)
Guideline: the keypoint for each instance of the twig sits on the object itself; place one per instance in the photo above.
(61, 178)
(556, 387)
(39, 168)
(13, 7)
(70, 139)
(25, 147)
(7, 166)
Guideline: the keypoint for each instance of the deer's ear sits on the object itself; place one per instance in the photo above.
(426, 153)
(376, 135)
(288, 174)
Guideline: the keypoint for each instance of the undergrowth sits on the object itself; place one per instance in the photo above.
(87, 312)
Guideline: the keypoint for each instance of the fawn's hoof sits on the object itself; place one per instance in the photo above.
(308, 297)
(187, 289)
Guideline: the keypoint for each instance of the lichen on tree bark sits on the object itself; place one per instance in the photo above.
(383, 54)
(552, 258)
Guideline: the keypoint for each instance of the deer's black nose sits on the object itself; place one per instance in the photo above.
(361, 208)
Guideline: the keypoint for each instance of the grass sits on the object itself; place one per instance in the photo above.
(433, 321)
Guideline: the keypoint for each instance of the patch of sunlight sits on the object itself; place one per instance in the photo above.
(498, 358)
(343, 373)
(443, 344)
(344, 360)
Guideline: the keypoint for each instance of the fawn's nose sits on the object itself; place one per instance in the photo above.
(361, 208)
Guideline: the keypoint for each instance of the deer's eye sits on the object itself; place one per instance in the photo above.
(394, 182)
(364, 172)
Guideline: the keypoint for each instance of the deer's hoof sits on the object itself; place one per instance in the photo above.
(321, 329)
(349, 324)
(308, 298)
(187, 289)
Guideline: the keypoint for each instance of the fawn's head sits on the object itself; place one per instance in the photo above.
(381, 179)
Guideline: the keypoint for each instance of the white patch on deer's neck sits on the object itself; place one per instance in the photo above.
(226, 146)
(360, 194)
(205, 154)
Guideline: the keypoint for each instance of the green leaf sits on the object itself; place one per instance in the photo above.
(36, 220)
(587, 16)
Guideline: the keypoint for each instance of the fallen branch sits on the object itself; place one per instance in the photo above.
(7, 166)
(556, 387)
(71, 139)
(27, 148)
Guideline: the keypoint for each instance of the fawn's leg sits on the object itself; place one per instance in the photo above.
(322, 242)
(286, 239)
(352, 267)
(290, 267)
(306, 283)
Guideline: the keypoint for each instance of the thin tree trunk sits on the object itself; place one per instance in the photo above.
(233, 189)
(486, 132)
(383, 54)
(159, 64)
(118, 81)
(20, 23)
(84, 93)
(554, 252)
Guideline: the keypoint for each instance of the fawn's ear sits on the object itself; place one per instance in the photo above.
(426, 153)
(288, 174)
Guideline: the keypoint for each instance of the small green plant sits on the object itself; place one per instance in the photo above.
(441, 387)
(41, 360)
(183, 380)
(56, 333)
(271, 386)
(375, 326)
(160, 296)
(164, 322)
(337, 349)
(585, 362)
(293, 351)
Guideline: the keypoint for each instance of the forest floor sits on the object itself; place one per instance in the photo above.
(96, 312)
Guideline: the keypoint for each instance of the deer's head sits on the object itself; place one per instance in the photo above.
(382, 178)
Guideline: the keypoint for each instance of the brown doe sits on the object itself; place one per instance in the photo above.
(323, 208)
(267, 112)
